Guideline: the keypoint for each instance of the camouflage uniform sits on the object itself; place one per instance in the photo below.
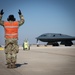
(11, 45)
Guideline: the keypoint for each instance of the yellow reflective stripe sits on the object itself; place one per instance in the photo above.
(11, 26)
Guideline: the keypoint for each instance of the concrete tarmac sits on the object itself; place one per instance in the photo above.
(41, 61)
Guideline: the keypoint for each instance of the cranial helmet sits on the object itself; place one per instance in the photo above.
(11, 18)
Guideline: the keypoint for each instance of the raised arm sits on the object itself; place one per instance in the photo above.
(21, 18)
(1, 15)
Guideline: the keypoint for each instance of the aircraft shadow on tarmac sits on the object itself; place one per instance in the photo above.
(19, 65)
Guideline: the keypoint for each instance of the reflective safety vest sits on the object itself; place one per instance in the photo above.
(11, 29)
(25, 44)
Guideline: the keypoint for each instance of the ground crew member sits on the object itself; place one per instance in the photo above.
(26, 45)
(11, 37)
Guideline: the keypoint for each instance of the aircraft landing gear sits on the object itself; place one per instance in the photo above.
(55, 44)
(67, 43)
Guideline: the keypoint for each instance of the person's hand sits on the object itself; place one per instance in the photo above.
(1, 12)
(19, 12)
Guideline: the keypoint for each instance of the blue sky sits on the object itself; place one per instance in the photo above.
(41, 16)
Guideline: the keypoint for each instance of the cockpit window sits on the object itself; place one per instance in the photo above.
(43, 35)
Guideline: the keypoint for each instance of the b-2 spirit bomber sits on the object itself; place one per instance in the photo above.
(54, 38)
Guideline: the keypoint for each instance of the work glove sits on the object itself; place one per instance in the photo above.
(19, 12)
(1, 12)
